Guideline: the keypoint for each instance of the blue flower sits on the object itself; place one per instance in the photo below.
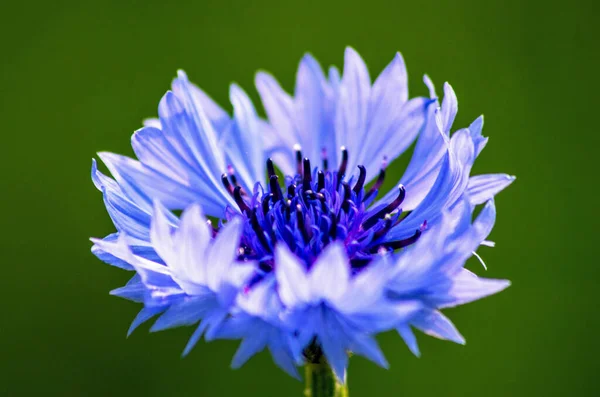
(310, 264)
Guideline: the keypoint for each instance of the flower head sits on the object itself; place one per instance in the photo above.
(312, 261)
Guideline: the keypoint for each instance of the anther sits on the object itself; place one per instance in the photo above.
(333, 228)
(237, 196)
(298, 150)
(361, 179)
(386, 228)
(231, 172)
(302, 224)
(320, 181)
(258, 230)
(379, 181)
(343, 165)
(387, 209)
(324, 158)
(270, 168)
(275, 188)
(346, 202)
(265, 203)
(226, 183)
(394, 245)
(307, 177)
(291, 190)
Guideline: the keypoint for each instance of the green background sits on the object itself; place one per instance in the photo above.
(78, 77)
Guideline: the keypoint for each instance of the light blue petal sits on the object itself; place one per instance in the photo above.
(448, 110)
(314, 111)
(425, 163)
(279, 107)
(195, 338)
(392, 132)
(144, 315)
(217, 116)
(329, 276)
(446, 191)
(201, 136)
(248, 348)
(243, 143)
(366, 346)
(282, 356)
(467, 287)
(333, 345)
(129, 217)
(109, 258)
(293, 284)
(481, 188)
(409, 338)
(352, 107)
(186, 312)
(434, 323)
(145, 184)
(478, 140)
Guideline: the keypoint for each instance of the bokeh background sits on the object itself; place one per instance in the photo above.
(78, 77)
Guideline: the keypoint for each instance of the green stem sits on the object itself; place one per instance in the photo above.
(321, 382)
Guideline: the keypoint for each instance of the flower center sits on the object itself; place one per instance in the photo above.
(314, 208)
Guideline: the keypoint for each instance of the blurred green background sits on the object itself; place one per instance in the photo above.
(78, 77)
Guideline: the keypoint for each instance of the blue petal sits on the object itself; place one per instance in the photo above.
(145, 184)
(478, 140)
(435, 324)
(409, 338)
(366, 346)
(330, 275)
(128, 216)
(314, 114)
(352, 107)
(243, 143)
(186, 312)
(446, 191)
(279, 107)
(481, 188)
(293, 284)
(109, 258)
(248, 348)
(390, 134)
(144, 315)
(282, 356)
(467, 287)
(332, 343)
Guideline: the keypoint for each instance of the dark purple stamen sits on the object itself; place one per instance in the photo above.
(346, 202)
(320, 181)
(298, 159)
(302, 224)
(333, 228)
(307, 179)
(231, 172)
(291, 191)
(394, 245)
(324, 158)
(239, 200)
(361, 179)
(377, 184)
(265, 203)
(387, 209)
(386, 228)
(258, 230)
(275, 188)
(270, 168)
(343, 165)
(307, 215)
(226, 183)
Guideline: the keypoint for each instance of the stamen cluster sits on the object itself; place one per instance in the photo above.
(315, 208)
